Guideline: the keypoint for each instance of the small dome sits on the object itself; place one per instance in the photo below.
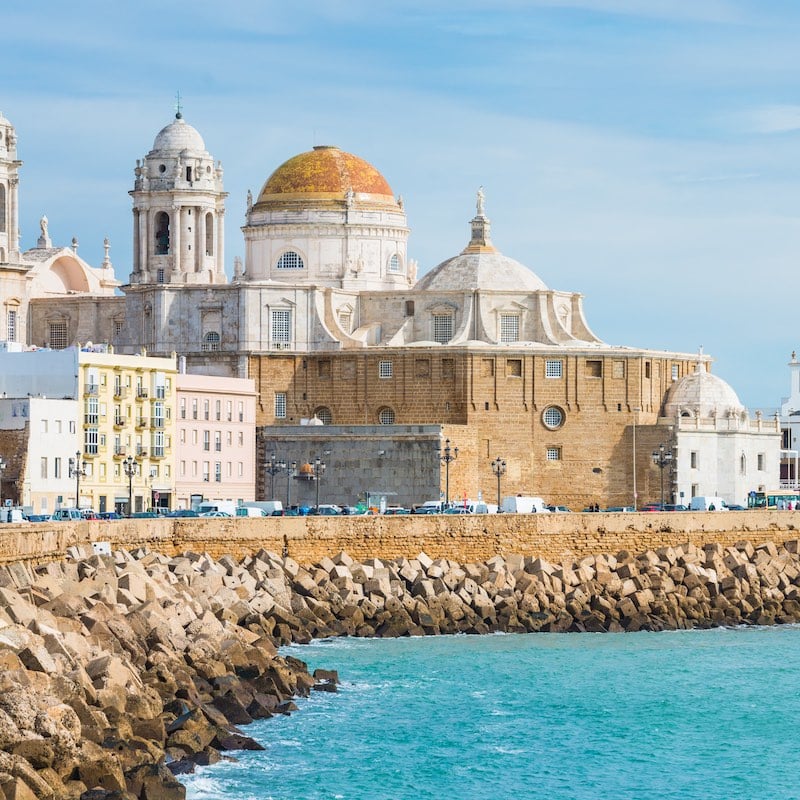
(703, 395)
(326, 172)
(178, 136)
(487, 270)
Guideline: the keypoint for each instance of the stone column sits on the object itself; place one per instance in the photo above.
(200, 259)
(137, 243)
(13, 219)
(219, 260)
(175, 244)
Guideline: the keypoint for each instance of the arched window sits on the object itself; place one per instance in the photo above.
(290, 260)
(209, 234)
(323, 414)
(743, 464)
(395, 264)
(162, 233)
(211, 341)
(386, 416)
(2, 208)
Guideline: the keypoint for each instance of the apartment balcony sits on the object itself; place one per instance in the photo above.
(157, 452)
(142, 393)
(141, 422)
(120, 452)
(91, 389)
(141, 452)
(119, 422)
(120, 392)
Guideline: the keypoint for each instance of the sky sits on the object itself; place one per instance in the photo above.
(641, 152)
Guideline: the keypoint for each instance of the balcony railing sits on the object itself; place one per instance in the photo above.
(142, 393)
(157, 452)
(141, 422)
(141, 451)
(119, 452)
(90, 388)
(119, 422)
(120, 392)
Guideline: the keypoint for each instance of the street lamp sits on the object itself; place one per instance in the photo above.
(77, 469)
(3, 465)
(319, 469)
(662, 458)
(499, 469)
(446, 459)
(290, 473)
(130, 465)
(273, 467)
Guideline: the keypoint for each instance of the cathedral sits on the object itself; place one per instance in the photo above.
(329, 317)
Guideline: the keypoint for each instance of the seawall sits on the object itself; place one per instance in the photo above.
(461, 538)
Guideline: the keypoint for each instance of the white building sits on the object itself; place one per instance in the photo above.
(718, 449)
(48, 439)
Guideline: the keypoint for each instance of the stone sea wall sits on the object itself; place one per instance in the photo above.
(460, 538)
(119, 672)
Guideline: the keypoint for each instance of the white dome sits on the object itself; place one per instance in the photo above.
(703, 395)
(486, 270)
(178, 136)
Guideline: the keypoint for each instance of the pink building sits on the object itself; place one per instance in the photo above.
(216, 429)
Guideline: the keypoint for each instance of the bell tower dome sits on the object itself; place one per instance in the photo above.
(178, 211)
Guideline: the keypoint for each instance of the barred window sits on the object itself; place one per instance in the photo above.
(281, 327)
(11, 328)
(509, 327)
(442, 328)
(290, 260)
(553, 368)
(323, 414)
(386, 416)
(211, 341)
(118, 326)
(280, 405)
(58, 335)
(385, 369)
(553, 454)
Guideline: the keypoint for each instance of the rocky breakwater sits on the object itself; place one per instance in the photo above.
(674, 587)
(119, 671)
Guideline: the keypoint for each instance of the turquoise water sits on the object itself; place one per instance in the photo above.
(690, 714)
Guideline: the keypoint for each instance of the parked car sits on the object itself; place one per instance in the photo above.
(652, 507)
(457, 510)
(735, 507)
(425, 510)
(675, 507)
(617, 509)
(88, 513)
(144, 515)
(555, 509)
(66, 515)
(38, 518)
(109, 515)
(327, 510)
(397, 510)
(183, 512)
(214, 514)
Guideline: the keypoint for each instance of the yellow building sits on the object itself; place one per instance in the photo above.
(128, 431)
(122, 442)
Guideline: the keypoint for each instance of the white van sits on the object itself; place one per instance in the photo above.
(271, 508)
(521, 504)
(707, 504)
(67, 515)
(250, 511)
(208, 506)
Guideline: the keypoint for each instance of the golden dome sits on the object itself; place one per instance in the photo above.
(326, 173)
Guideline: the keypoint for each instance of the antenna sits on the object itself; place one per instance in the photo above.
(178, 106)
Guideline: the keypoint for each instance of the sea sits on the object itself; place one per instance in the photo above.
(711, 714)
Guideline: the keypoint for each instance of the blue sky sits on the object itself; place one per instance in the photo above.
(642, 152)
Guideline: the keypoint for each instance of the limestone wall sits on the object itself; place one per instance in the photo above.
(460, 538)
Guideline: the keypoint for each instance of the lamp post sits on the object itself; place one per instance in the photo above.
(319, 469)
(662, 458)
(273, 467)
(635, 493)
(3, 465)
(499, 469)
(130, 465)
(290, 473)
(447, 458)
(77, 469)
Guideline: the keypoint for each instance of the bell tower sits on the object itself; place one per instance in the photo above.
(178, 211)
(9, 193)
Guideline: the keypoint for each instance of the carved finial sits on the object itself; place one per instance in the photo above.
(481, 199)
(106, 247)
(74, 244)
(178, 106)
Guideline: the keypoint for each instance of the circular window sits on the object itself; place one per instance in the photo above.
(553, 417)
(386, 416)
(162, 168)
